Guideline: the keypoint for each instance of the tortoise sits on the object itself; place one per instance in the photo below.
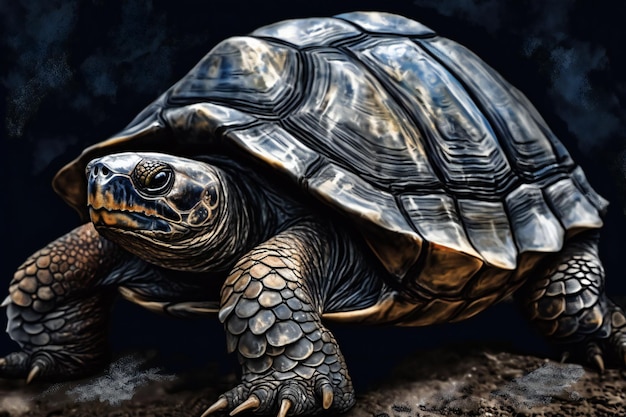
(358, 168)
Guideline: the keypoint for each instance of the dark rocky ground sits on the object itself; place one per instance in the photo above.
(456, 381)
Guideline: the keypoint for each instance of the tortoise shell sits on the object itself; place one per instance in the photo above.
(431, 153)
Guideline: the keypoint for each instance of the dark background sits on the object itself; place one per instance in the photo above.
(75, 72)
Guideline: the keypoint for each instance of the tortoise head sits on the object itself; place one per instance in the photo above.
(164, 209)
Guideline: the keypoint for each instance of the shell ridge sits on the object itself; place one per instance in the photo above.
(436, 218)
(385, 23)
(479, 103)
(579, 177)
(463, 225)
(405, 213)
(552, 205)
(276, 147)
(295, 128)
(301, 33)
(191, 124)
(509, 220)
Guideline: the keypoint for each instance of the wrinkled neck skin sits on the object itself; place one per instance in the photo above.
(252, 213)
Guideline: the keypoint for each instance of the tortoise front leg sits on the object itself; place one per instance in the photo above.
(58, 307)
(271, 311)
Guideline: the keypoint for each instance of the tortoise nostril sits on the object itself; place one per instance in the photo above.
(99, 170)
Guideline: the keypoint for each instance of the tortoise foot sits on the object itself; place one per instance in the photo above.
(617, 340)
(31, 367)
(294, 396)
(65, 343)
(18, 365)
(612, 348)
(43, 365)
(572, 309)
(598, 349)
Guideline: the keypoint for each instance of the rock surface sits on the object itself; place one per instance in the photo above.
(462, 381)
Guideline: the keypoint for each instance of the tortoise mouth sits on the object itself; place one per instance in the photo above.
(128, 220)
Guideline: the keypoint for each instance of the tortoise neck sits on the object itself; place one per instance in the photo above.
(252, 213)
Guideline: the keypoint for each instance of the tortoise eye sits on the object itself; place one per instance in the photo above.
(153, 177)
(159, 181)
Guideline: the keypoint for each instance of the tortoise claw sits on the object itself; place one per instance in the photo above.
(285, 405)
(594, 356)
(34, 372)
(327, 396)
(565, 356)
(220, 404)
(6, 302)
(252, 403)
(599, 363)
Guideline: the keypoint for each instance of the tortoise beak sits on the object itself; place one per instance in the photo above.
(127, 221)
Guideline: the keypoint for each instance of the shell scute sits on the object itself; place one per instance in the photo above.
(205, 118)
(537, 229)
(436, 220)
(572, 208)
(528, 142)
(489, 231)
(460, 142)
(247, 73)
(276, 147)
(349, 117)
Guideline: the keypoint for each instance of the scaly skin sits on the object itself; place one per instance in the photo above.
(59, 304)
(570, 307)
(54, 313)
(271, 311)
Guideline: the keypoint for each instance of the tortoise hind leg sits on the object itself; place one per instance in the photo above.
(570, 306)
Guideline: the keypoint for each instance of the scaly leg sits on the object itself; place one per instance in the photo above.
(570, 306)
(271, 308)
(58, 306)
